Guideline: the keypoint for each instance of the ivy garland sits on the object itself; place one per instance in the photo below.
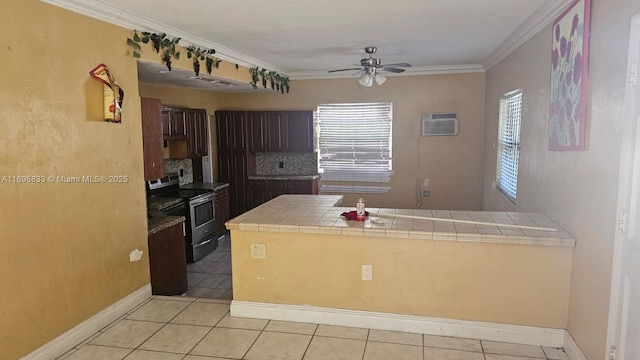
(198, 55)
(161, 43)
(279, 83)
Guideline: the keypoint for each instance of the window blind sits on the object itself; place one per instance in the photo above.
(354, 142)
(509, 144)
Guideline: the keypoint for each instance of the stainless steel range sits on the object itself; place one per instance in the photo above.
(198, 209)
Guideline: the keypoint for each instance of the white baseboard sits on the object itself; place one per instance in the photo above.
(406, 323)
(572, 349)
(82, 331)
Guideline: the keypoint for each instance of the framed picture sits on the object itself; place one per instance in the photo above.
(569, 65)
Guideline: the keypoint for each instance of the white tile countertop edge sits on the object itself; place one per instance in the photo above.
(320, 214)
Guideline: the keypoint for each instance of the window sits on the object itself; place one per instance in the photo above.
(509, 144)
(354, 142)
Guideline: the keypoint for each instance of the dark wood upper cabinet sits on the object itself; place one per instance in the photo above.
(173, 123)
(186, 129)
(231, 127)
(153, 152)
(196, 128)
(179, 123)
(300, 131)
(257, 131)
(276, 131)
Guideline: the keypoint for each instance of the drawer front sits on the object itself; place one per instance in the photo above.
(257, 184)
(300, 186)
(278, 184)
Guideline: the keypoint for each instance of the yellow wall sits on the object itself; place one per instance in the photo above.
(64, 248)
(452, 163)
(577, 188)
(499, 283)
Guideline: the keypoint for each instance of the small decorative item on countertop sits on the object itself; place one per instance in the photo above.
(351, 215)
(360, 213)
(113, 94)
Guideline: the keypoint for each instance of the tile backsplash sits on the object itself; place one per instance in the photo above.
(175, 165)
(292, 163)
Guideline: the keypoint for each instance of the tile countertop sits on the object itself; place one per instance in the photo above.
(320, 214)
(284, 177)
(215, 186)
(158, 220)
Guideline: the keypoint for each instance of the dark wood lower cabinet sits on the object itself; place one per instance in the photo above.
(221, 202)
(232, 169)
(167, 261)
(256, 193)
(259, 191)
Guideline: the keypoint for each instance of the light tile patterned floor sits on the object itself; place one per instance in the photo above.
(184, 328)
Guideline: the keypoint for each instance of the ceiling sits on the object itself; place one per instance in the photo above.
(305, 39)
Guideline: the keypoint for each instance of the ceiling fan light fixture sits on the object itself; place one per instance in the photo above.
(366, 80)
(380, 79)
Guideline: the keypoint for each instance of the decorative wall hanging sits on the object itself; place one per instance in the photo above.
(569, 60)
(113, 94)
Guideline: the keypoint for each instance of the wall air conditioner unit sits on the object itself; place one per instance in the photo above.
(439, 124)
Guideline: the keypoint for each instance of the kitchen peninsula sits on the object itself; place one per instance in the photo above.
(295, 258)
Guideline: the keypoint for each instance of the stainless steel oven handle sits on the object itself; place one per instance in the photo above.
(202, 200)
(202, 243)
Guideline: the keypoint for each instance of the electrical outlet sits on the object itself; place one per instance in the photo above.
(426, 193)
(425, 182)
(258, 251)
(367, 272)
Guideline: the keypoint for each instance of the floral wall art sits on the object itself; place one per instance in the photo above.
(569, 60)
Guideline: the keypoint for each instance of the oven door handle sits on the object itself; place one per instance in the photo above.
(202, 243)
(201, 201)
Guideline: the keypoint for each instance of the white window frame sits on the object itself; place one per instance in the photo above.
(508, 144)
(343, 156)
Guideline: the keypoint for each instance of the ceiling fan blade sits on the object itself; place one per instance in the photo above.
(397, 65)
(345, 69)
(393, 70)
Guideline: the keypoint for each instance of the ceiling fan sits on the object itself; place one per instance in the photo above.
(371, 66)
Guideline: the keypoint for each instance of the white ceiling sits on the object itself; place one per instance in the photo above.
(305, 39)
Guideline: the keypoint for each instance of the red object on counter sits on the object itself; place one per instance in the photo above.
(351, 215)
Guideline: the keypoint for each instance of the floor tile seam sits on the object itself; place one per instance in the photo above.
(515, 355)
(87, 340)
(309, 343)
(395, 343)
(135, 308)
(187, 324)
(151, 321)
(198, 343)
(285, 332)
(254, 342)
(147, 339)
(365, 346)
(338, 337)
(444, 348)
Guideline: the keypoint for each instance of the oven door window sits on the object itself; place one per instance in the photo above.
(203, 213)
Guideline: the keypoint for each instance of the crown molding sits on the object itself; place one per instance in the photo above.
(123, 18)
(412, 71)
(541, 18)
